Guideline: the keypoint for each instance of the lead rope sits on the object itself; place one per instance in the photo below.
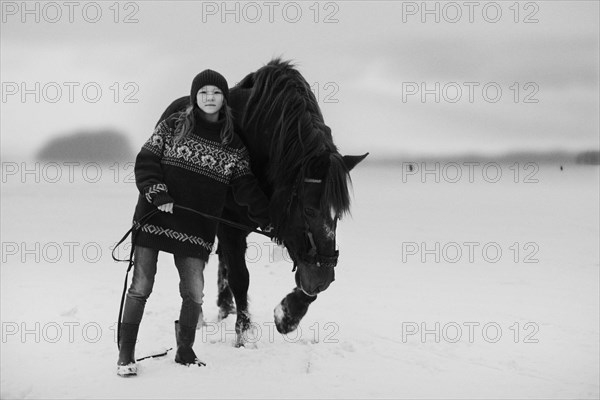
(133, 230)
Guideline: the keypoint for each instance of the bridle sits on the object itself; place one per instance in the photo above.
(312, 257)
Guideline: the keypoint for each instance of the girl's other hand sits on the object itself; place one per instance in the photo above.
(166, 208)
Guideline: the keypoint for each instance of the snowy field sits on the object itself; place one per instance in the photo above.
(443, 290)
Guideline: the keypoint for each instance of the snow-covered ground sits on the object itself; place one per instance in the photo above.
(509, 310)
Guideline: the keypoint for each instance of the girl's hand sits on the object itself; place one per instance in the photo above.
(166, 208)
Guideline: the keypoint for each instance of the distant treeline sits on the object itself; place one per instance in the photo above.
(588, 157)
(591, 157)
(102, 146)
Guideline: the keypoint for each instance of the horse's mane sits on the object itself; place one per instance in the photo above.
(283, 104)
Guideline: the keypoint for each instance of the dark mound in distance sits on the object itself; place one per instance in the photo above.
(103, 146)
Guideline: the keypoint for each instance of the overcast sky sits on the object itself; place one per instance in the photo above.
(497, 76)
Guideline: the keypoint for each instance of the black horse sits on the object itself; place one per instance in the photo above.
(299, 168)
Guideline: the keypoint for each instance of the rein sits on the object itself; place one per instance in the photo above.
(137, 226)
(313, 255)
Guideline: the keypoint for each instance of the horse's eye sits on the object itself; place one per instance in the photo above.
(310, 212)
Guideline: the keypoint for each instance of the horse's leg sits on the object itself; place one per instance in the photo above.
(290, 311)
(225, 297)
(233, 249)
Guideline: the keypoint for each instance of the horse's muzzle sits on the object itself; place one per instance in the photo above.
(313, 279)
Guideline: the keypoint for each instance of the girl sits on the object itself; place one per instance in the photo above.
(191, 159)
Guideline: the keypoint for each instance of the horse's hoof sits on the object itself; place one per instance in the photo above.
(283, 322)
(242, 324)
(223, 314)
(278, 315)
(225, 310)
(239, 343)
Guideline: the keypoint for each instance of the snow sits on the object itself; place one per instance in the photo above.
(527, 329)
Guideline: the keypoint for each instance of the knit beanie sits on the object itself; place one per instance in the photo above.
(208, 77)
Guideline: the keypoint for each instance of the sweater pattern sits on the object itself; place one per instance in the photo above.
(175, 235)
(199, 155)
(153, 190)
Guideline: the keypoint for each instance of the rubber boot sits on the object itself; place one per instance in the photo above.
(126, 365)
(185, 336)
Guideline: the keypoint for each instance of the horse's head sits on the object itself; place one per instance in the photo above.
(318, 199)
(308, 177)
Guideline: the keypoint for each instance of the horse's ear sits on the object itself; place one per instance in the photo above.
(352, 161)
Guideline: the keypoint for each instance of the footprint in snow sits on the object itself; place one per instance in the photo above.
(70, 313)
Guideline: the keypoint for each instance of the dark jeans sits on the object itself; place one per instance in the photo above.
(191, 286)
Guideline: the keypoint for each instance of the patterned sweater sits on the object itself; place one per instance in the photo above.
(194, 173)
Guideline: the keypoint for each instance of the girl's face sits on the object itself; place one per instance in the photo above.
(210, 99)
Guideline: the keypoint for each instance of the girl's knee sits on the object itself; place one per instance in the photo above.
(141, 289)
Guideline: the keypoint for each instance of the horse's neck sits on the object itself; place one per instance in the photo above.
(256, 143)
